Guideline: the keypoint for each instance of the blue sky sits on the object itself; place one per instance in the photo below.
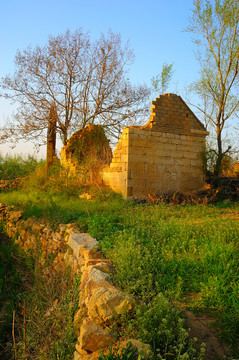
(153, 28)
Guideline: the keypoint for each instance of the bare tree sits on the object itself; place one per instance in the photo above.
(85, 80)
(215, 24)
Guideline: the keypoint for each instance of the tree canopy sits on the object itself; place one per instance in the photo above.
(86, 81)
(215, 25)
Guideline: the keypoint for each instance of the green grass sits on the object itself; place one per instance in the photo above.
(178, 251)
(181, 252)
(185, 253)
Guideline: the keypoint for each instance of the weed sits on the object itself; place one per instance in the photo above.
(119, 353)
(160, 325)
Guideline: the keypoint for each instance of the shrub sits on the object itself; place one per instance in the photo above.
(12, 167)
(159, 324)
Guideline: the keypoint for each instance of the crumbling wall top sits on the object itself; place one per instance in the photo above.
(169, 113)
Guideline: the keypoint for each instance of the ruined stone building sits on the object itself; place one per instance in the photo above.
(163, 155)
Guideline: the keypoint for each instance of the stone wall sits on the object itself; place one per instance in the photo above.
(116, 174)
(99, 299)
(162, 156)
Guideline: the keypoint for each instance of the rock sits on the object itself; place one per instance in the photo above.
(36, 228)
(142, 348)
(91, 254)
(91, 356)
(104, 265)
(77, 356)
(105, 302)
(15, 215)
(92, 278)
(79, 242)
(79, 350)
(93, 336)
(62, 228)
(85, 196)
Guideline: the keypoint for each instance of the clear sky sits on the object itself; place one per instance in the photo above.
(153, 28)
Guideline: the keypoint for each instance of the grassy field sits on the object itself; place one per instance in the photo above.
(187, 253)
(162, 254)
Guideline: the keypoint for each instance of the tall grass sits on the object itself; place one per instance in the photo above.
(9, 290)
(16, 166)
(50, 305)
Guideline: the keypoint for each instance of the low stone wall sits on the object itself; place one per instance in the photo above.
(99, 299)
(9, 184)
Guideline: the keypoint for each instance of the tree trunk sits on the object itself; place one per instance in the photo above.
(51, 138)
(64, 138)
(218, 165)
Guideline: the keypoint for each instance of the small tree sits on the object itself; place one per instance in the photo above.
(215, 24)
(161, 82)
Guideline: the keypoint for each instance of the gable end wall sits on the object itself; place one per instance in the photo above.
(163, 162)
(147, 161)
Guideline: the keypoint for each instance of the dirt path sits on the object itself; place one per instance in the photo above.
(201, 328)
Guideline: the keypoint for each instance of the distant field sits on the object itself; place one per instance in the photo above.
(187, 253)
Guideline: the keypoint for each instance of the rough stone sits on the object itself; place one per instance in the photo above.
(143, 349)
(105, 302)
(93, 336)
(93, 277)
(79, 242)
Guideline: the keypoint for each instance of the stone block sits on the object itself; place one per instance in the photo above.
(105, 302)
(128, 191)
(152, 168)
(137, 166)
(190, 155)
(116, 166)
(136, 183)
(139, 143)
(137, 150)
(135, 158)
(167, 160)
(182, 161)
(93, 278)
(158, 134)
(197, 163)
(169, 135)
(93, 336)
(79, 242)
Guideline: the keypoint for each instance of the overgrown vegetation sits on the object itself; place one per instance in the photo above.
(12, 167)
(90, 148)
(119, 353)
(9, 290)
(44, 306)
(162, 254)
